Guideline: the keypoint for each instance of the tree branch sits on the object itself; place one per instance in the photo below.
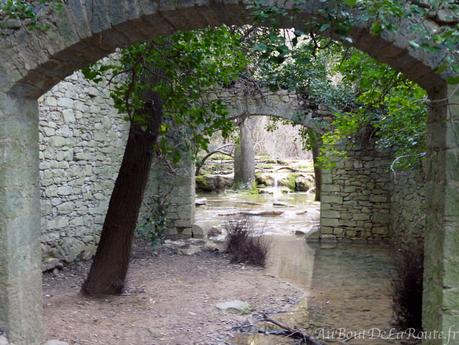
(218, 150)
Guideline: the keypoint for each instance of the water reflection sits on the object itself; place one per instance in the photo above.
(347, 286)
(291, 259)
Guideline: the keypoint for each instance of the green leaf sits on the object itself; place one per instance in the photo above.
(442, 68)
(376, 28)
(453, 80)
(351, 3)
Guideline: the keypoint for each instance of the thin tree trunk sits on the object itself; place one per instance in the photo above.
(244, 158)
(109, 268)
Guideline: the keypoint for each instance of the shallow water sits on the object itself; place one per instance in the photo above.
(299, 211)
(347, 287)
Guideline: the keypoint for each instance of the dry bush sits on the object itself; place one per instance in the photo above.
(244, 247)
(407, 288)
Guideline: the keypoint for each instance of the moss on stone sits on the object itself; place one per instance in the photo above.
(290, 181)
(201, 184)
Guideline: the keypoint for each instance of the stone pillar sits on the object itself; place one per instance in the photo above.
(179, 189)
(20, 258)
(441, 277)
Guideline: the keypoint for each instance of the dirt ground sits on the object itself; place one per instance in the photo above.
(170, 300)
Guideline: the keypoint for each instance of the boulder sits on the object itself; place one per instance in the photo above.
(71, 248)
(189, 246)
(200, 201)
(55, 342)
(50, 264)
(223, 182)
(289, 181)
(191, 250)
(304, 183)
(270, 190)
(213, 183)
(235, 307)
(266, 180)
(174, 245)
(214, 246)
(281, 204)
(198, 231)
(214, 231)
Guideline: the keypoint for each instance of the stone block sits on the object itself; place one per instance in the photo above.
(332, 199)
(330, 214)
(327, 222)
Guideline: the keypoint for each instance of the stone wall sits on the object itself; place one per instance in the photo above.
(81, 145)
(178, 187)
(82, 140)
(408, 207)
(355, 197)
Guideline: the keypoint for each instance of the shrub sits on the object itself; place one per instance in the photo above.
(154, 227)
(407, 288)
(242, 246)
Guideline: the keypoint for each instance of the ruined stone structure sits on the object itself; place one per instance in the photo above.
(32, 62)
(82, 140)
(242, 100)
(408, 207)
(81, 146)
(355, 200)
(363, 201)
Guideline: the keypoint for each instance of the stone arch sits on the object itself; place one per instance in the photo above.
(281, 104)
(31, 62)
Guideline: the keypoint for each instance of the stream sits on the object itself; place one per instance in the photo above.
(347, 287)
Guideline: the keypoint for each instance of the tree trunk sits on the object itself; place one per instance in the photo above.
(109, 268)
(244, 158)
(316, 144)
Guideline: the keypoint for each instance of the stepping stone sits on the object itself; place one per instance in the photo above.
(235, 307)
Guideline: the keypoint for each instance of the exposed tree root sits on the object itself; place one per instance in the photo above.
(290, 332)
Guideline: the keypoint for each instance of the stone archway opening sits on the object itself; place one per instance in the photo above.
(32, 62)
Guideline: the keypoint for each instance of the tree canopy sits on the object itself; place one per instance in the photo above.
(187, 64)
(362, 94)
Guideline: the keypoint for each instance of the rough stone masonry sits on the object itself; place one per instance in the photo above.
(82, 139)
(32, 61)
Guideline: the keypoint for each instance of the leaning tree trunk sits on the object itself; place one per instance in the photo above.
(244, 158)
(109, 268)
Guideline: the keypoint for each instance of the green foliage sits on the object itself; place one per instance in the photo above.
(154, 228)
(254, 188)
(291, 181)
(366, 98)
(394, 108)
(180, 68)
(28, 12)
(435, 22)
